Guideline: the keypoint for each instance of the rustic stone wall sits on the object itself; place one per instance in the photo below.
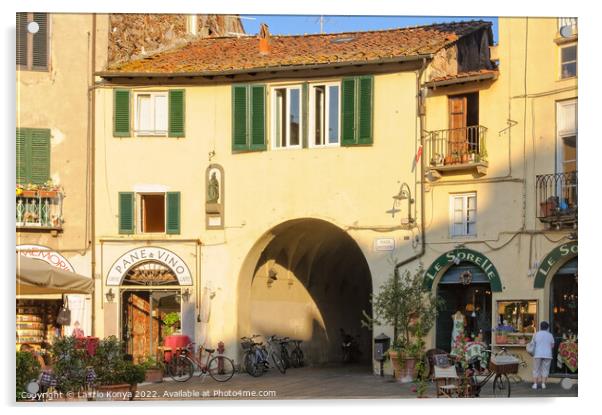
(134, 36)
(445, 63)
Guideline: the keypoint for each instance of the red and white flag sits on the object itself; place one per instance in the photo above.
(417, 158)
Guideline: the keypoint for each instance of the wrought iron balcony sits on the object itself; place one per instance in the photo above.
(557, 199)
(39, 209)
(457, 149)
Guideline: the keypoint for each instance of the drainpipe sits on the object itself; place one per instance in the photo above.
(91, 141)
(422, 209)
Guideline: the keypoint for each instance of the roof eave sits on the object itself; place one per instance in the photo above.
(285, 68)
(461, 80)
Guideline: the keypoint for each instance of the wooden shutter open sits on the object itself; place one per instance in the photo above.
(348, 115)
(172, 214)
(39, 141)
(258, 141)
(126, 212)
(239, 118)
(40, 42)
(22, 39)
(365, 103)
(23, 173)
(121, 113)
(176, 113)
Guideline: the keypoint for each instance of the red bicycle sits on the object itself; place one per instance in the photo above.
(182, 366)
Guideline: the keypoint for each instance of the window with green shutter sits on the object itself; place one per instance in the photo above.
(121, 113)
(33, 155)
(176, 113)
(172, 215)
(126, 212)
(357, 110)
(248, 118)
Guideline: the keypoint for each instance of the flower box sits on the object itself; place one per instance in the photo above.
(29, 193)
(48, 193)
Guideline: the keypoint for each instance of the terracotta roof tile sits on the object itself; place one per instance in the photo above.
(223, 54)
(468, 74)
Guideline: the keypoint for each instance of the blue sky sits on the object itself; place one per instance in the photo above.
(300, 24)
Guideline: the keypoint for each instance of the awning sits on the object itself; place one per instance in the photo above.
(38, 277)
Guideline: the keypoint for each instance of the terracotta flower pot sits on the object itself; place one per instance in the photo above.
(408, 369)
(153, 375)
(396, 363)
(119, 392)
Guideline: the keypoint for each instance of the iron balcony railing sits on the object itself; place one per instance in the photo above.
(39, 209)
(457, 146)
(557, 198)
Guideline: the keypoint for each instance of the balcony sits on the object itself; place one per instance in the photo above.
(557, 199)
(456, 150)
(39, 210)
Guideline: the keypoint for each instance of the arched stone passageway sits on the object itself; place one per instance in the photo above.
(309, 280)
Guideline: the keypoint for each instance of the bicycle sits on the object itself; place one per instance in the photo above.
(297, 358)
(182, 366)
(284, 354)
(253, 361)
(270, 352)
(498, 370)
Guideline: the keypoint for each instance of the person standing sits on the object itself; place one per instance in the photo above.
(542, 356)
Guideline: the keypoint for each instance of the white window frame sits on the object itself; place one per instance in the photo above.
(140, 212)
(561, 63)
(312, 118)
(275, 145)
(567, 131)
(150, 133)
(465, 222)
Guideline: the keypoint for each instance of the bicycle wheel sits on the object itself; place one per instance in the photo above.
(286, 359)
(180, 368)
(278, 363)
(501, 386)
(221, 368)
(251, 366)
(295, 358)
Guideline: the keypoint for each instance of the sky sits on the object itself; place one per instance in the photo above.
(310, 24)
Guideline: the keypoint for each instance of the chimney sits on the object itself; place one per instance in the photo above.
(264, 39)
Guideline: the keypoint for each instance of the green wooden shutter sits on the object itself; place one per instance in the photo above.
(23, 172)
(121, 113)
(176, 113)
(258, 141)
(39, 142)
(305, 113)
(126, 212)
(172, 214)
(348, 116)
(40, 42)
(239, 118)
(365, 103)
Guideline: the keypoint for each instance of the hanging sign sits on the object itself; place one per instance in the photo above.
(146, 254)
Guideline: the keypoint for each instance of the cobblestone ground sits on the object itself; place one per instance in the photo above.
(344, 382)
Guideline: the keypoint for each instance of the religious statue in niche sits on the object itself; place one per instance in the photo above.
(214, 196)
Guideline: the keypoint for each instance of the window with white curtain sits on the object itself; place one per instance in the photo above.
(463, 215)
(324, 109)
(286, 117)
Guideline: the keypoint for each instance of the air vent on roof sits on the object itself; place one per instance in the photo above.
(342, 40)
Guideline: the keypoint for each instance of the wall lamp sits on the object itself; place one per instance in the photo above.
(404, 194)
(186, 295)
(110, 296)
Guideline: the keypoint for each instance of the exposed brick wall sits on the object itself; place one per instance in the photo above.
(137, 35)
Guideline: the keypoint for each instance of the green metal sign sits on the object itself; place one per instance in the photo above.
(446, 260)
(558, 256)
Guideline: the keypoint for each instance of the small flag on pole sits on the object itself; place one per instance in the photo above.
(417, 158)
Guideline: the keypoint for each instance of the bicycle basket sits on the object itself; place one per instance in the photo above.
(504, 364)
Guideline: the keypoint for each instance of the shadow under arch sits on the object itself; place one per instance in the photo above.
(306, 278)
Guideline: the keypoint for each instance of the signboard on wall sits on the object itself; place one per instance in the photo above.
(384, 244)
(149, 253)
(47, 255)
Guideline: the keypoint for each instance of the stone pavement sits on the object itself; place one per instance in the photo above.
(342, 382)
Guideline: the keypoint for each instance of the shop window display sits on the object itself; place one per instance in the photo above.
(516, 321)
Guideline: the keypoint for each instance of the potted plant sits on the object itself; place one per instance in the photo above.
(116, 377)
(28, 369)
(403, 304)
(69, 366)
(170, 321)
(153, 370)
(501, 333)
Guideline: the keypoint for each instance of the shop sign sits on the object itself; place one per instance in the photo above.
(47, 255)
(558, 256)
(149, 253)
(384, 244)
(448, 259)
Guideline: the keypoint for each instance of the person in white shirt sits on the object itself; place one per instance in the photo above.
(542, 356)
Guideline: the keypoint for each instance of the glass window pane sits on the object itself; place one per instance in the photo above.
(333, 114)
(320, 98)
(145, 123)
(472, 202)
(472, 229)
(295, 116)
(161, 113)
(458, 217)
(569, 53)
(458, 230)
(458, 203)
(569, 70)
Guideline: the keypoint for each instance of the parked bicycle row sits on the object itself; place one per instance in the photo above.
(279, 352)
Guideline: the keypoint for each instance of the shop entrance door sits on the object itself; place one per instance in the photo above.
(144, 312)
(473, 299)
(563, 309)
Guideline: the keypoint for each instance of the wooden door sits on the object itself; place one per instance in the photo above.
(457, 142)
(137, 328)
